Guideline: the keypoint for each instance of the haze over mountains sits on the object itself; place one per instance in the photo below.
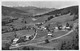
(35, 10)
(24, 11)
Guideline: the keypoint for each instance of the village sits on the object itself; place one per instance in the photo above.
(39, 26)
(29, 37)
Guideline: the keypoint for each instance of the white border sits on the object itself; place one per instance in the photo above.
(31, 0)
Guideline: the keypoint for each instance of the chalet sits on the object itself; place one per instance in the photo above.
(27, 37)
(50, 34)
(15, 40)
(42, 27)
(63, 28)
(38, 24)
(55, 29)
(66, 27)
(21, 39)
(34, 19)
(24, 35)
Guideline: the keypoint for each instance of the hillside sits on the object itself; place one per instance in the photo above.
(35, 10)
(8, 11)
(62, 24)
(71, 9)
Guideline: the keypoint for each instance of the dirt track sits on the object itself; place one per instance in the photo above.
(33, 44)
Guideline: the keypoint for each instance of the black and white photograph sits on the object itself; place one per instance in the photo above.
(40, 25)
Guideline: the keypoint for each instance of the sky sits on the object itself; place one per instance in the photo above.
(41, 4)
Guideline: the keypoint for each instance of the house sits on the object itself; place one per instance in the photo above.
(42, 27)
(25, 34)
(55, 29)
(63, 28)
(68, 28)
(34, 19)
(21, 39)
(27, 37)
(50, 34)
(15, 40)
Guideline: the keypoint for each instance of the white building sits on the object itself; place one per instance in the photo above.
(56, 29)
(50, 34)
(42, 27)
(15, 40)
(67, 27)
(27, 37)
(34, 19)
(63, 28)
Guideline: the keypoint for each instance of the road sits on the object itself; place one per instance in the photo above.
(44, 41)
(35, 44)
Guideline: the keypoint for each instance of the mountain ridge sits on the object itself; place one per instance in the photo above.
(70, 9)
(35, 10)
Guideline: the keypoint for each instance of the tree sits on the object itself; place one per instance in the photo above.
(46, 41)
(50, 17)
(59, 27)
(7, 45)
(71, 44)
(67, 24)
(47, 28)
(75, 17)
(25, 48)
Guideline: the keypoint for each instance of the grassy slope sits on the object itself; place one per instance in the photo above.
(34, 10)
(61, 19)
(71, 9)
(8, 11)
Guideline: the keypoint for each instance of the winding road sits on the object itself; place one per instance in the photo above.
(34, 44)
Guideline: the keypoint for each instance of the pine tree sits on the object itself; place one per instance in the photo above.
(67, 24)
(46, 41)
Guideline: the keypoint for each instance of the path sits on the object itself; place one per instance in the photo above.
(33, 44)
(44, 41)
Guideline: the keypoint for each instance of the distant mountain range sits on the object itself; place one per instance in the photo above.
(35, 10)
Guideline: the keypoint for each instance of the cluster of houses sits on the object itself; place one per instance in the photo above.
(63, 27)
(23, 38)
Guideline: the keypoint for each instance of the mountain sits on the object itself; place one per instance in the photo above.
(71, 10)
(35, 10)
(8, 11)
